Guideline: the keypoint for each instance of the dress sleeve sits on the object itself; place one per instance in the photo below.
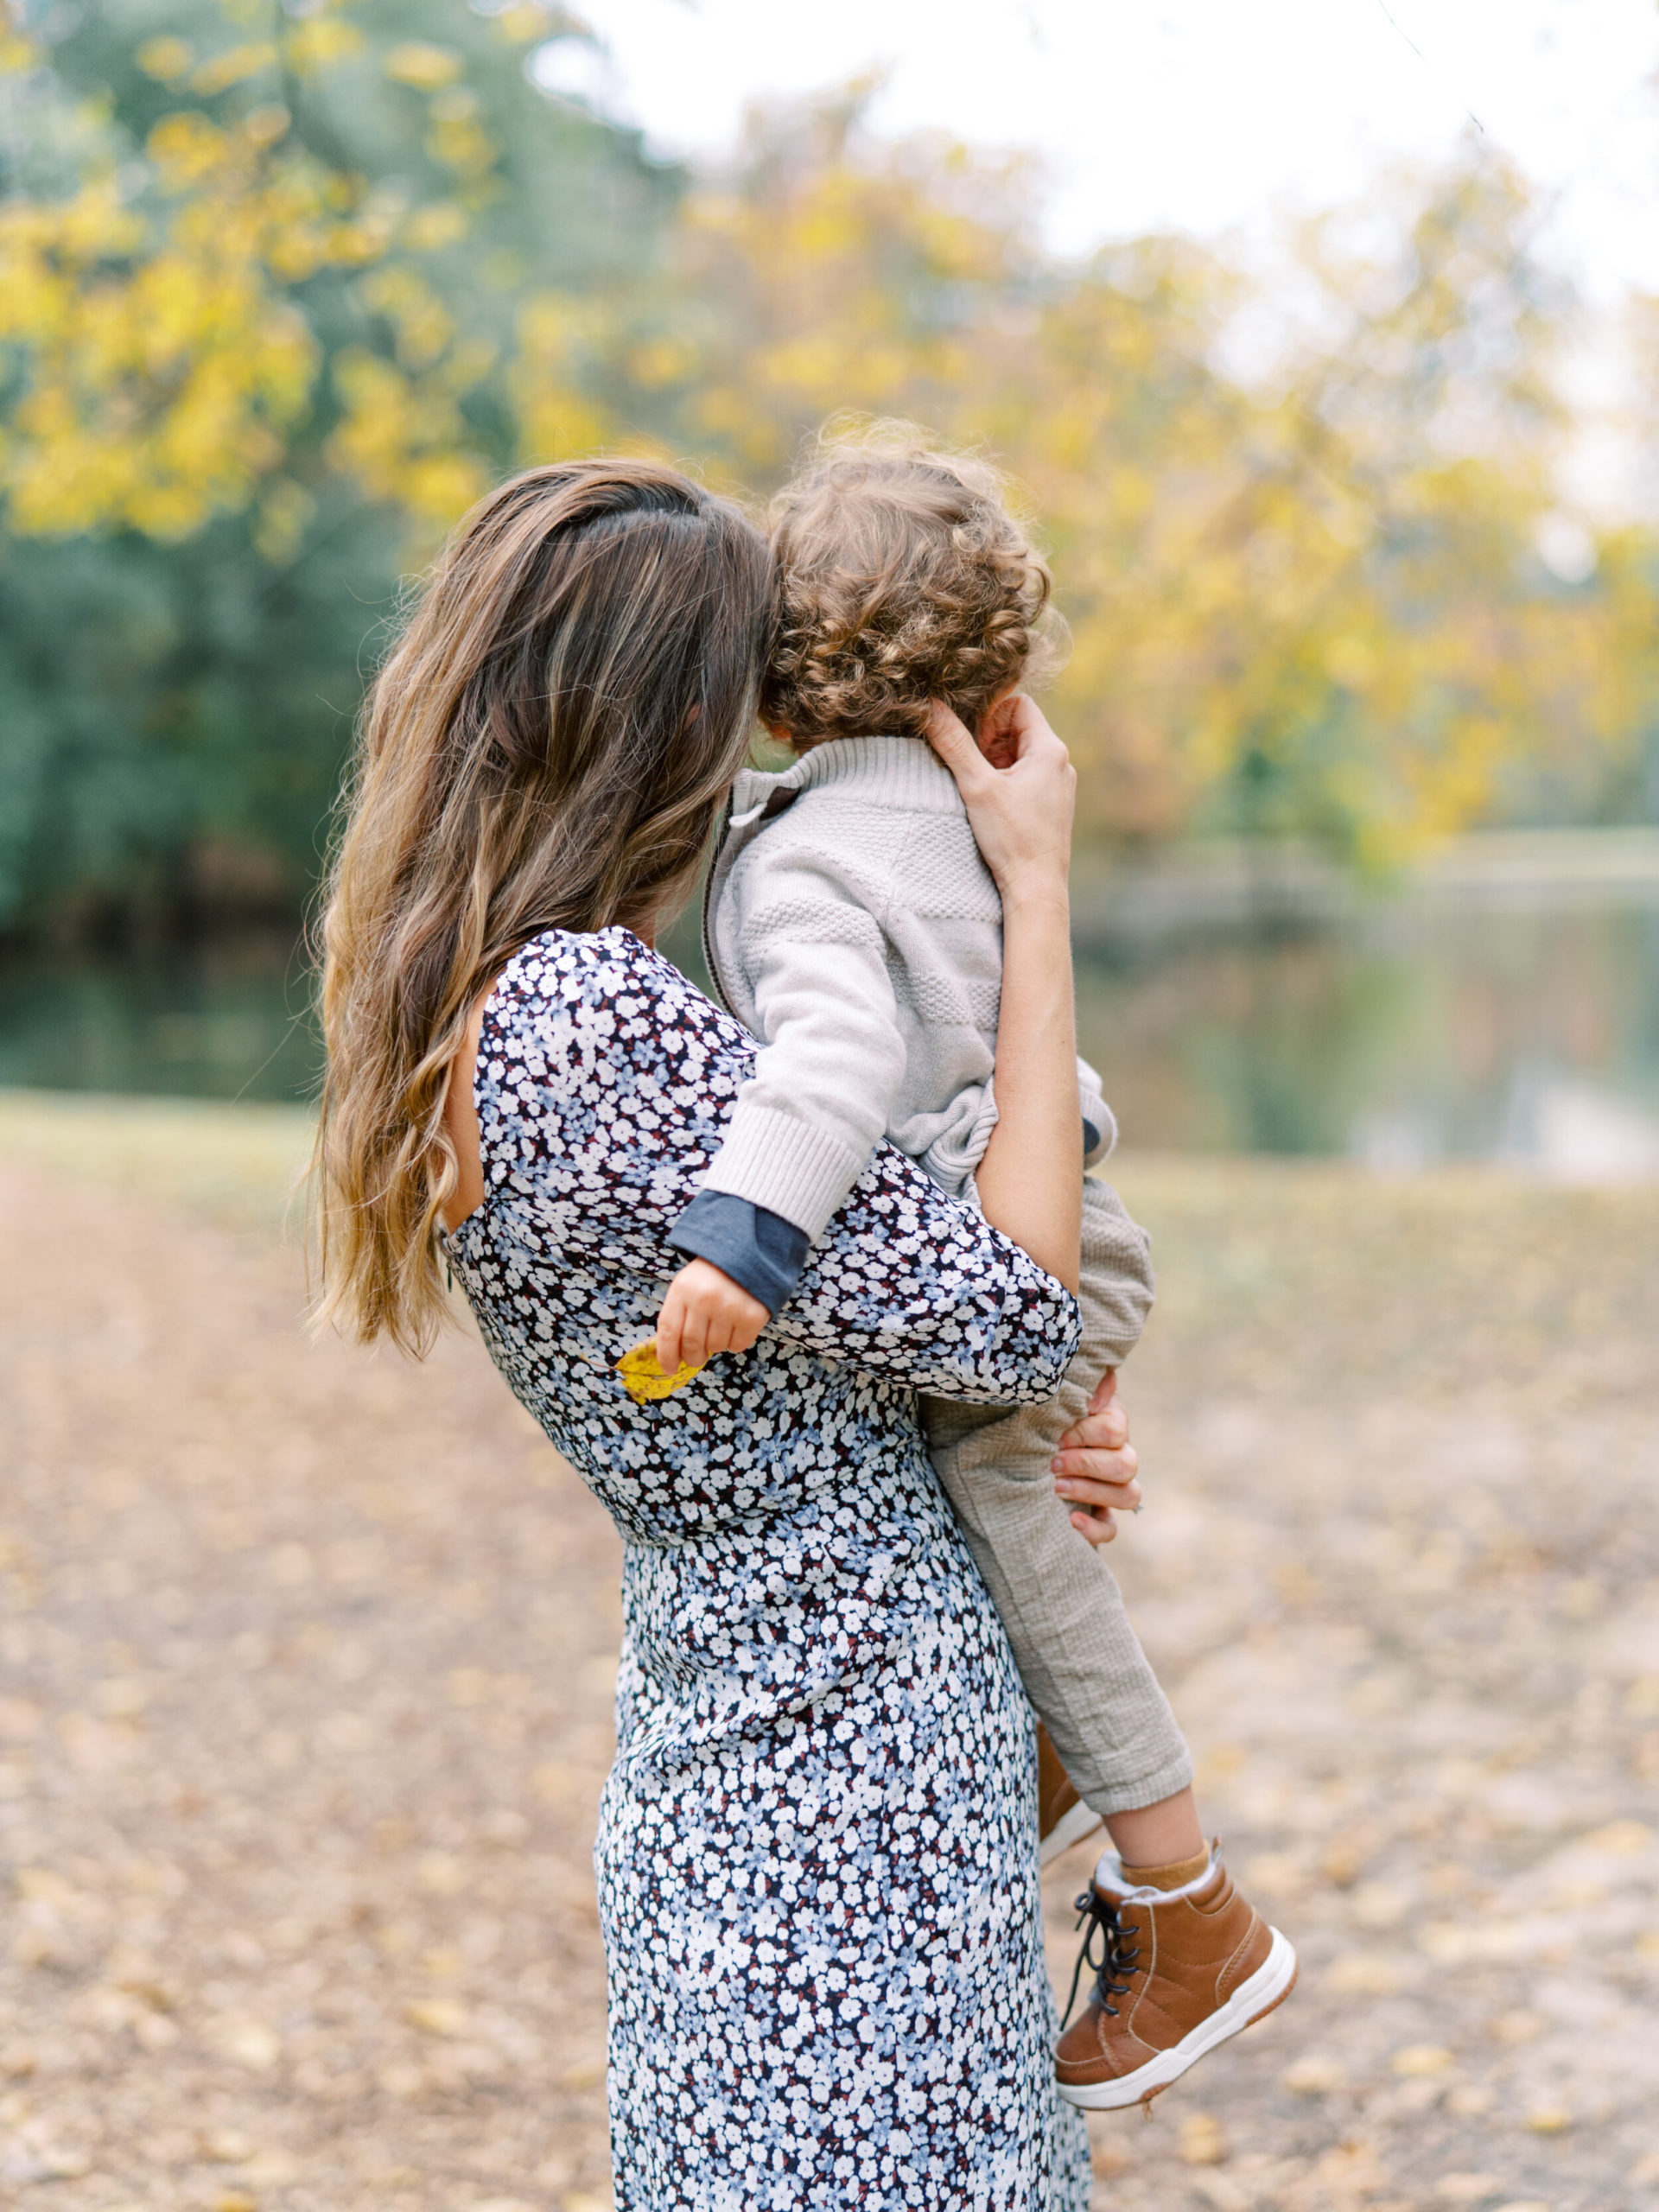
(919, 1288)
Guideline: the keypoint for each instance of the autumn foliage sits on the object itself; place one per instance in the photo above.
(281, 291)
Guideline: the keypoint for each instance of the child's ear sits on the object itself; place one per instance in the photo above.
(993, 736)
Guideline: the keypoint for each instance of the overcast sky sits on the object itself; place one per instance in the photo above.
(1206, 115)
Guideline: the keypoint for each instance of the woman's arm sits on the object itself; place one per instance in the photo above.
(460, 1120)
(919, 1289)
(1030, 1180)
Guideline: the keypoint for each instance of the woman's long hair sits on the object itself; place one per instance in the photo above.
(546, 748)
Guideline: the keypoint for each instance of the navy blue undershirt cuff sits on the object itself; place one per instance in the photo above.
(756, 1247)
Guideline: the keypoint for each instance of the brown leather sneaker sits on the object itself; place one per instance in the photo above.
(1181, 1971)
(1063, 1819)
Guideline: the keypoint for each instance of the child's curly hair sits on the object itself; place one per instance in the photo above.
(902, 577)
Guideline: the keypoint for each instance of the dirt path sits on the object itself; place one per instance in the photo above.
(305, 1663)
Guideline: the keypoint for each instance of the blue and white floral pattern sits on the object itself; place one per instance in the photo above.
(817, 1851)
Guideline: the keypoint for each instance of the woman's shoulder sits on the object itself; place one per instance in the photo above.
(565, 967)
(605, 990)
(594, 1052)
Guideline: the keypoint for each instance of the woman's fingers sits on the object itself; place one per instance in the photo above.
(1091, 1479)
(1092, 1490)
(1105, 1393)
(1085, 1466)
(953, 741)
(1095, 1465)
(1098, 1528)
(1020, 814)
(1103, 1432)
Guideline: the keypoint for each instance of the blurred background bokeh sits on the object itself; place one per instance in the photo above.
(1360, 565)
(1321, 338)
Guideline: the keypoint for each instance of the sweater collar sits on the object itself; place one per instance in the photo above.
(900, 771)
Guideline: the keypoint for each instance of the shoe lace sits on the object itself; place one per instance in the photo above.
(1116, 1956)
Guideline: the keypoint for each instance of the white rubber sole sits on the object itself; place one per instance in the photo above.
(1270, 1985)
(1069, 1828)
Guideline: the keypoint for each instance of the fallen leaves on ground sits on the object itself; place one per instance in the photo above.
(306, 1657)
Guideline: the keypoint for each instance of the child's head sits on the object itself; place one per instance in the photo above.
(902, 577)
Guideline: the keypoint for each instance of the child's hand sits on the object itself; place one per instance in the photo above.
(705, 1313)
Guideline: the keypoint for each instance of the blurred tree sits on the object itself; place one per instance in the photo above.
(284, 282)
(281, 289)
(1306, 596)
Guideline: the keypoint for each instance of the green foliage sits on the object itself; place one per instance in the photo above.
(208, 531)
(283, 289)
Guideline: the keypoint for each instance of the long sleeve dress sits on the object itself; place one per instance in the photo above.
(817, 1851)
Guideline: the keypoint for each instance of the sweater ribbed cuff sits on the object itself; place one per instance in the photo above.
(786, 1165)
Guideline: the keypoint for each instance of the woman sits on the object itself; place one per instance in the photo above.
(817, 1851)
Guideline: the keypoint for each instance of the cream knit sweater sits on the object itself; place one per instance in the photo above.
(851, 924)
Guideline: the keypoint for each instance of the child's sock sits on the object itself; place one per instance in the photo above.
(1175, 1876)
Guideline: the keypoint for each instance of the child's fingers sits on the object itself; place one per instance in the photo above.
(694, 1337)
(704, 1313)
(669, 1326)
(747, 1326)
(741, 1318)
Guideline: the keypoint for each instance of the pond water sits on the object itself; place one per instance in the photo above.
(222, 1021)
(1404, 1040)
(1410, 1033)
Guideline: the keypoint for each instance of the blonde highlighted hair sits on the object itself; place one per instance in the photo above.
(902, 577)
(547, 747)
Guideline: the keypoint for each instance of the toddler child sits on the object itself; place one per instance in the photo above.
(851, 923)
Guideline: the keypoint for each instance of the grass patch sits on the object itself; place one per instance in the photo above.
(239, 1163)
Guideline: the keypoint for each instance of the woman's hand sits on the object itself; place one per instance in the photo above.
(1020, 789)
(1095, 1465)
(1028, 1183)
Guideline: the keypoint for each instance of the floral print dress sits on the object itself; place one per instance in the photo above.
(817, 1851)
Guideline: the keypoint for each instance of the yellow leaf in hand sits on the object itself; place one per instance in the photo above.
(645, 1379)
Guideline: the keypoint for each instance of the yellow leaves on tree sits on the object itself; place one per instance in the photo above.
(426, 67)
(812, 267)
(402, 437)
(561, 342)
(164, 366)
(1302, 601)
(164, 357)
(1305, 598)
